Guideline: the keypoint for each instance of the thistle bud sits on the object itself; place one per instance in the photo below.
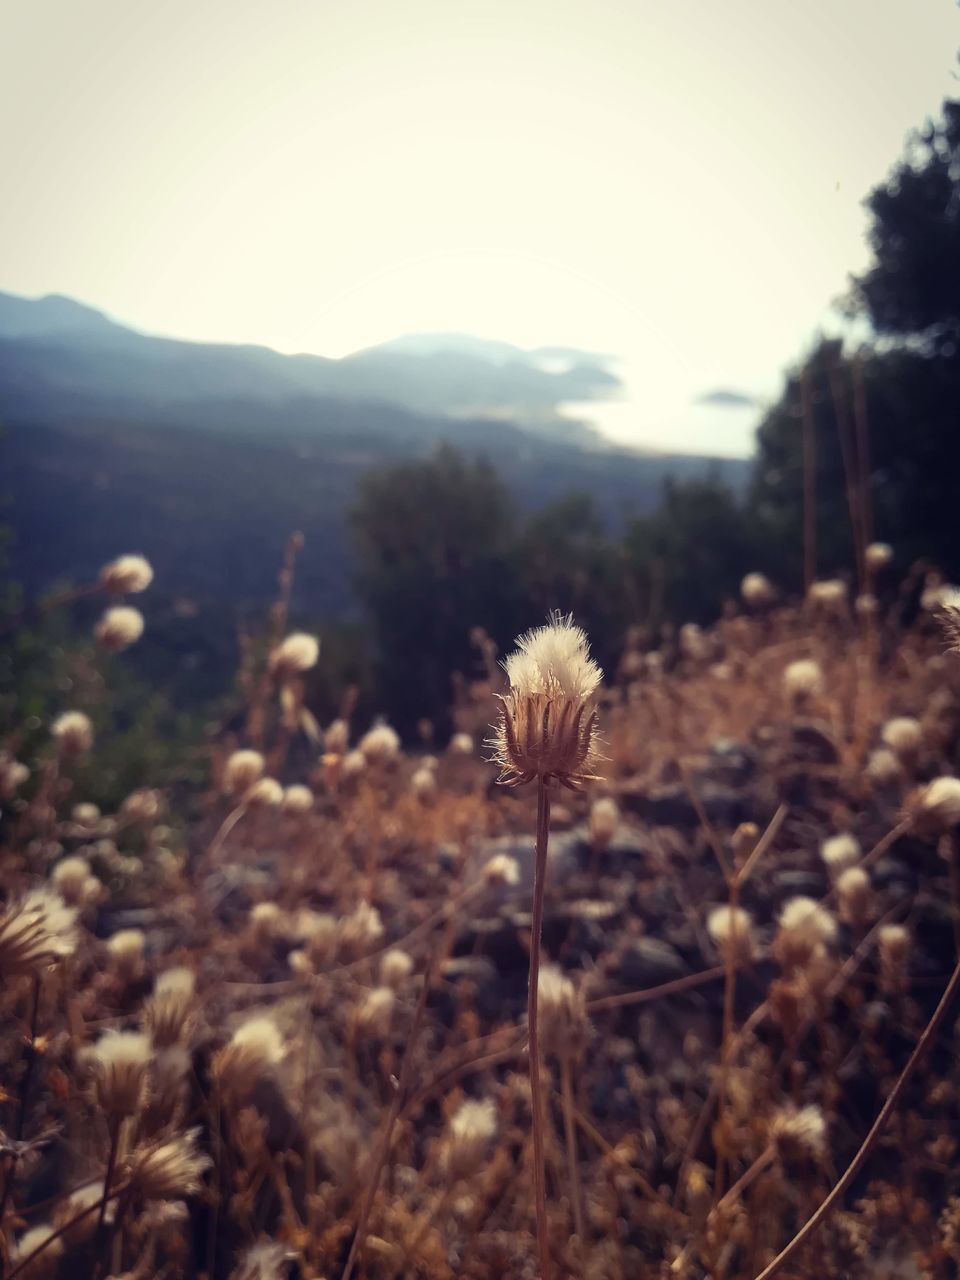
(73, 733)
(296, 654)
(243, 769)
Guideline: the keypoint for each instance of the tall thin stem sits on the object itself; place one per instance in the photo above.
(533, 1030)
(570, 1135)
(24, 1103)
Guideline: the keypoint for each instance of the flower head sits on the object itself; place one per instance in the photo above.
(470, 1131)
(546, 729)
(119, 628)
(126, 575)
(73, 733)
(35, 933)
(294, 655)
(120, 1060)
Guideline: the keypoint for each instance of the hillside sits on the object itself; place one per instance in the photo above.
(205, 457)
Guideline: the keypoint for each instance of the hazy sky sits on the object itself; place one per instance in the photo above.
(674, 181)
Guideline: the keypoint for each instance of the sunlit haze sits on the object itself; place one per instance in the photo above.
(675, 182)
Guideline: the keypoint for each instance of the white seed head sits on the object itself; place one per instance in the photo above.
(423, 784)
(119, 628)
(502, 869)
(13, 775)
(461, 744)
(46, 1265)
(757, 589)
(894, 944)
(179, 980)
(470, 1131)
(878, 555)
(265, 918)
(126, 948)
(85, 814)
(69, 877)
(127, 575)
(73, 733)
(853, 895)
(883, 767)
(167, 1169)
(395, 967)
(828, 595)
(839, 852)
(35, 932)
(120, 1060)
(297, 799)
(375, 1012)
(265, 794)
(294, 655)
(243, 769)
(731, 929)
(336, 737)
(263, 1261)
(253, 1053)
(143, 806)
(546, 728)
(562, 1016)
(903, 735)
(604, 819)
(806, 930)
(803, 679)
(379, 745)
(360, 930)
(800, 1133)
(937, 807)
(354, 763)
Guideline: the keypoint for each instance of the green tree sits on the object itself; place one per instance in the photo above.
(433, 541)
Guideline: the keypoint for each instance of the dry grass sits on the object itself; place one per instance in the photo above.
(300, 1108)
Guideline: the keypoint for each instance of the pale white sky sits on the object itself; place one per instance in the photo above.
(674, 181)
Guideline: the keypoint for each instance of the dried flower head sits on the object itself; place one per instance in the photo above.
(243, 769)
(546, 728)
(806, 929)
(168, 1015)
(354, 763)
(294, 655)
(35, 933)
(336, 737)
(948, 615)
(167, 1169)
(297, 799)
(126, 948)
(126, 575)
(263, 1261)
(878, 555)
(853, 895)
(142, 806)
(255, 1049)
(265, 920)
(461, 744)
(85, 814)
(423, 784)
(120, 1060)
(47, 1263)
(828, 595)
(470, 1131)
(883, 767)
(936, 808)
(379, 745)
(757, 589)
(562, 1015)
(119, 628)
(803, 679)
(894, 944)
(69, 878)
(839, 852)
(73, 733)
(799, 1134)
(731, 929)
(265, 794)
(903, 735)
(395, 968)
(502, 869)
(375, 1012)
(604, 819)
(13, 775)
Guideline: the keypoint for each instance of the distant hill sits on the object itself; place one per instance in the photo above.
(206, 456)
